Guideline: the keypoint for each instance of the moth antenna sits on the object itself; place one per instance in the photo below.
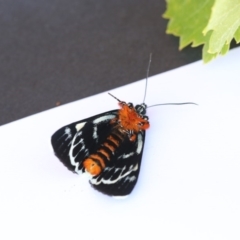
(148, 68)
(114, 97)
(161, 104)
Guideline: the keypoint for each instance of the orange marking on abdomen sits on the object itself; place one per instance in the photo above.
(119, 135)
(92, 167)
(104, 153)
(99, 158)
(94, 164)
(109, 147)
(112, 139)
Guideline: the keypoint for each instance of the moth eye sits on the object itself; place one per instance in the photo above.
(130, 105)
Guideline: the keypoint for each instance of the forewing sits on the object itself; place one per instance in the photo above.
(74, 142)
(121, 174)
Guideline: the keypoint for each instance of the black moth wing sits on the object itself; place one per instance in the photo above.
(120, 176)
(74, 142)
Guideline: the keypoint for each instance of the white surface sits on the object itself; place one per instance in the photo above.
(189, 184)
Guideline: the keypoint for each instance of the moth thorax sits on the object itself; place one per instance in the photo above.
(141, 109)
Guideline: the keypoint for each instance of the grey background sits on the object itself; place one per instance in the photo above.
(60, 51)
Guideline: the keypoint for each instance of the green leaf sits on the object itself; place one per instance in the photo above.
(207, 57)
(188, 18)
(225, 48)
(237, 35)
(213, 23)
(224, 21)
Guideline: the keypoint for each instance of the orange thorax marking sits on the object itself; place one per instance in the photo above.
(131, 120)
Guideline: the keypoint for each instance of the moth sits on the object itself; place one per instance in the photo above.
(108, 146)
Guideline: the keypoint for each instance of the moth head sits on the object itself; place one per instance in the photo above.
(133, 118)
(141, 109)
